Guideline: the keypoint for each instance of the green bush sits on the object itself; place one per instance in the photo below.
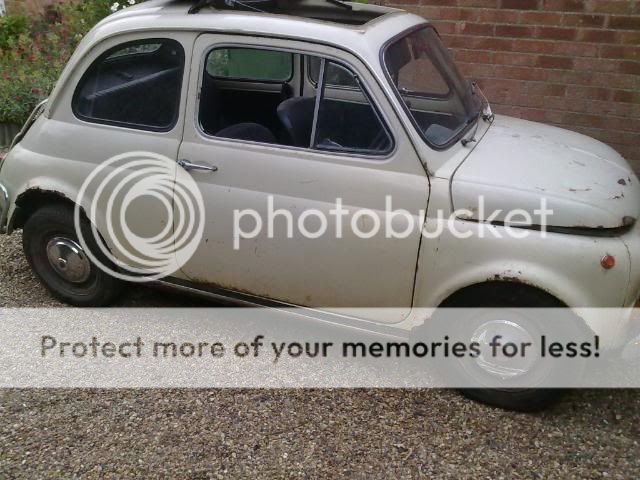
(34, 57)
(11, 27)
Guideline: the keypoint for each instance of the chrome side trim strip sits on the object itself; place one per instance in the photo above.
(251, 301)
(4, 208)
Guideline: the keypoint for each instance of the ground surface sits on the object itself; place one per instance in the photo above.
(285, 434)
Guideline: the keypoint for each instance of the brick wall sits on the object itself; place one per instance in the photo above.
(570, 63)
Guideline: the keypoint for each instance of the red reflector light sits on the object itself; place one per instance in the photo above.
(608, 262)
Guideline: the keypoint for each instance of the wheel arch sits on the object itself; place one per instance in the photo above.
(32, 199)
(497, 290)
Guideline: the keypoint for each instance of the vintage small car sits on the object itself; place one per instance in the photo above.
(307, 102)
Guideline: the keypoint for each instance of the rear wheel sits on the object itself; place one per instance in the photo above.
(54, 253)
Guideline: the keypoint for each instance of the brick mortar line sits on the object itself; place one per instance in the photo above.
(618, 117)
(625, 76)
(421, 3)
(539, 55)
(529, 67)
(549, 109)
(562, 27)
(535, 67)
(546, 82)
(493, 9)
(550, 40)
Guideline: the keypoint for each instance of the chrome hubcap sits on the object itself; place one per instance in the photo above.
(500, 365)
(68, 259)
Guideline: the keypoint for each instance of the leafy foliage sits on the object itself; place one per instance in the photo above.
(11, 28)
(36, 51)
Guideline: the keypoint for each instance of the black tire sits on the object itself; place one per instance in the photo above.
(498, 296)
(52, 221)
(527, 401)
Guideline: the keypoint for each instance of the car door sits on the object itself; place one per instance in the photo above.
(343, 267)
(124, 100)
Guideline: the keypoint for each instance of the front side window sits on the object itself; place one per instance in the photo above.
(250, 64)
(437, 96)
(334, 77)
(135, 85)
(349, 123)
(261, 105)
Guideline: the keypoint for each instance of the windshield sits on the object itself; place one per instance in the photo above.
(439, 99)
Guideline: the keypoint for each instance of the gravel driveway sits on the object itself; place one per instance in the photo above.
(303, 433)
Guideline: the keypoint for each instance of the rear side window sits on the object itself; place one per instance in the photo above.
(134, 85)
(250, 64)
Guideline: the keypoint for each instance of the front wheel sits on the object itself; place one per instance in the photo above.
(54, 253)
(509, 313)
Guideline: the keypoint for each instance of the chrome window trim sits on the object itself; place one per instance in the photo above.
(4, 208)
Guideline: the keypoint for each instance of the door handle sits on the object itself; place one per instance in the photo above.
(201, 167)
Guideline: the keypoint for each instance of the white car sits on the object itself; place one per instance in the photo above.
(295, 106)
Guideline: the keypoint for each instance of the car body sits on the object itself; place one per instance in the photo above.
(512, 163)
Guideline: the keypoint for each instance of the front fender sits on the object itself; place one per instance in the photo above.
(566, 266)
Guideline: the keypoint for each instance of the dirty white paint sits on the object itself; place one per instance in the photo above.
(513, 164)
(585, 182)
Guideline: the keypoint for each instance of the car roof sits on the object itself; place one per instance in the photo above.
(374, 25)
(364, 40)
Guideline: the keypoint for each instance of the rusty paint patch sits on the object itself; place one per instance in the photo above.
(242, 294)
(506, 278)
(212, 287)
